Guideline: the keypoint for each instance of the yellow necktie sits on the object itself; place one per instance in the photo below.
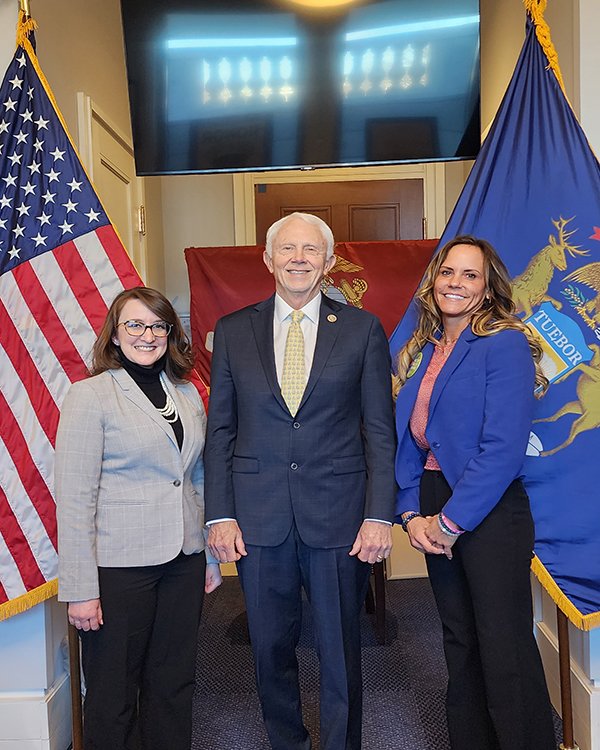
(293, 379)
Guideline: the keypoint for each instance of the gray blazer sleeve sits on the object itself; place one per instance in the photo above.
(78, 464)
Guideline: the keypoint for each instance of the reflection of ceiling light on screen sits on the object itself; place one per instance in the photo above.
(322, 3)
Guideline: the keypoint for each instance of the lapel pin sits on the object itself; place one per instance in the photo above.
(414, 365)
(332, 318)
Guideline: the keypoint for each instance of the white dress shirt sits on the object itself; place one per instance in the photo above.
(309, 325)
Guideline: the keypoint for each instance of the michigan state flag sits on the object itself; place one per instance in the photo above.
(534, 192)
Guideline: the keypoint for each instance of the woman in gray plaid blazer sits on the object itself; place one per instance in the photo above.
(129, 489)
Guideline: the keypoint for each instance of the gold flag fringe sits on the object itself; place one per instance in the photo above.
(25, 25)
(536, 9)
(581, 621)
(26, 601)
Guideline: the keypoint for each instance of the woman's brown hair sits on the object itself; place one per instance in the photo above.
(497, 311)
(105, 354)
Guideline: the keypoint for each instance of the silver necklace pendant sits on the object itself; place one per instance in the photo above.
(169, 410)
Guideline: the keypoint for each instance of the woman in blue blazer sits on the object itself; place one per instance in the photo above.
(465, 392)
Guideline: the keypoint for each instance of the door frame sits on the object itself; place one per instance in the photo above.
(432, 175)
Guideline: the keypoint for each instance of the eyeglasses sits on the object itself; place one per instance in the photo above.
(160, 329)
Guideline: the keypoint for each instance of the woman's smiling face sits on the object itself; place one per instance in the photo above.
(460, 286)
(146, 349)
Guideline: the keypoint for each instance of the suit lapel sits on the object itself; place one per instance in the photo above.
(327, 333)
(132, 392)
(262, 325)
(410, 389)
(461, 349)
(189, 422)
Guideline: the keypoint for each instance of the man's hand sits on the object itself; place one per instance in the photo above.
(373, 542)
(86, 615)
(225, 541)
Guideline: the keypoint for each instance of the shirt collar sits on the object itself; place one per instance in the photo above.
(311, 309)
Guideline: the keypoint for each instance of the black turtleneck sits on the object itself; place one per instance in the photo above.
(148, 381)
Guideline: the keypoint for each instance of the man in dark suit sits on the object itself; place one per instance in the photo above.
(299, 484)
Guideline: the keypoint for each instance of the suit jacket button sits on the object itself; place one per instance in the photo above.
(293, 466)
(296, 425)
(177, 482)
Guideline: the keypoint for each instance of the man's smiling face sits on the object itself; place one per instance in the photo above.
(299, 262)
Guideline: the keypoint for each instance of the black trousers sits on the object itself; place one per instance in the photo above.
(497, 697)
(139, 667)
(272, 579)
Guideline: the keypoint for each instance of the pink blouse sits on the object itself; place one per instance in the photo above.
(420, 412)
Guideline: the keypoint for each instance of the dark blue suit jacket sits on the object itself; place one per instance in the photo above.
(479, 420)
(327, 468)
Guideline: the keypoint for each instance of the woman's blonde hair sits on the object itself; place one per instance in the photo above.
(496, 313)
(105, 354)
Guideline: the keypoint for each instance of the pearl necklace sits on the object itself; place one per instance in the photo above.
(169, 410)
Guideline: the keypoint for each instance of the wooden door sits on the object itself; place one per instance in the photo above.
(356, 211)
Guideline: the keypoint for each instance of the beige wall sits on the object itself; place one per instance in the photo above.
(80, 48)
(197, 211)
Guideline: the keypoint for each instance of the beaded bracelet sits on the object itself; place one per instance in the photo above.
(443, 524)
(409, 517)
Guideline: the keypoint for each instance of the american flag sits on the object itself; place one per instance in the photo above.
(61, 264)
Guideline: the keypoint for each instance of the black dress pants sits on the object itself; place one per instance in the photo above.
(140, 666)
(272, 579)
(497, 697)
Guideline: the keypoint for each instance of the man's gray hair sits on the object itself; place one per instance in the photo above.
(324, 228)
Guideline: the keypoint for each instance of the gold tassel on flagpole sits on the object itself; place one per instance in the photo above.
(25, 24)
(536, 9)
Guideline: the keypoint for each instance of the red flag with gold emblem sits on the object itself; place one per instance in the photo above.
(378, 276)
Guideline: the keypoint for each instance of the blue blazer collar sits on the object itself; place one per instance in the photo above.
(458, 353)
(410, 389)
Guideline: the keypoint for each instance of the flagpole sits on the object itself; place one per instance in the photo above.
(24, 7)
(564, 660)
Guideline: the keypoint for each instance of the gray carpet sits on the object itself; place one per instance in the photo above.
(404, 679)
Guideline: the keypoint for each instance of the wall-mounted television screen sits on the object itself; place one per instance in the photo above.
(249, 85)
